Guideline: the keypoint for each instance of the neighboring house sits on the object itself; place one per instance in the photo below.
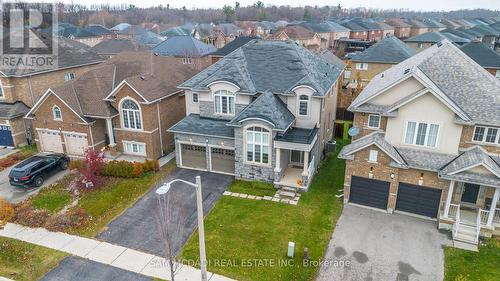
(209, 34)
(82, 35)
(230, 31)
(111, 47)
(434, 25)
(129, 32)
(484, 56)
(328, 31)
(249, 28)
(417, 27)
(299, 35)
(376, 59)
(357, 31)
(126, 104)
(387, 30)
(489, 35)
(20, 89)
(187, 48)
(460, 33)
(260, 121)
(186, 29)
(401, 28)
(424, 41)
(100, 30)
(230, 47)
(148, 39)
(450, 24)
(375, 31)
(428, 143)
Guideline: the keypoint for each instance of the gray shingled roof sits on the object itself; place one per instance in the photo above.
(388, 50)
(233, 45)
(436, 36)
(194, 124)
(12, 110)
(375, 138)
(268, 107)
(269, 66)
(424, 159)
(183, 46)
(465, 83)
(482, 54)
(324, 27)
(115, 46)
(298, 135)
(332, 59)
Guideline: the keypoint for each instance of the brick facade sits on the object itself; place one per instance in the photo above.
(466, 141)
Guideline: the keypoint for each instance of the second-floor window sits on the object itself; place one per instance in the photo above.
(187, 61)
(224, 102)
(195, 97)
(257, 145)
(57, 113)
(486, 134)
(373, 121)
(362, 66)
(422, 134)
(69, 76)
(303, 105)
(131, 115)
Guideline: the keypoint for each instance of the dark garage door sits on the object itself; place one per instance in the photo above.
(369, 192)
(418, 200)
(6, 136)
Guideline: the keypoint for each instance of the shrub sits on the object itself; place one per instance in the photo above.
(76, 165)
(26, 215)
(71, 219)
(94, 162)
(125, 169)
(6, 212)
(138, 169)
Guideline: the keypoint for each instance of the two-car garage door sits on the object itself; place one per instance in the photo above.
(195, 156)
(52, 141)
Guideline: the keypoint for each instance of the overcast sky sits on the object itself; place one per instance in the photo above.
(425, 5)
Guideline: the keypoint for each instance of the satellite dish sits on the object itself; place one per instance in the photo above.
(354, 131)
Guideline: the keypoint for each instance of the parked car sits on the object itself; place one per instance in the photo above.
(34, 170)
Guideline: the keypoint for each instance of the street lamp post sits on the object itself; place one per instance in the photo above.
(164, 189)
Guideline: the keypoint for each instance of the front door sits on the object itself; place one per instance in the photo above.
(470, 193)
(297, 157)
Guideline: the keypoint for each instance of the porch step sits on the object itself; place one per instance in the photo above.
(465, 237)
(283, 193)
(287, 188)
(467, 230)
(465, 245)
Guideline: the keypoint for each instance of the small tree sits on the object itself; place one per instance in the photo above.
(94, 162)
(6, 212)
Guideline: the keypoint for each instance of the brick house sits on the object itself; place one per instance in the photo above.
(417, 27)
(424, 41)
(357, 31)
(428, 143)
(260, 121)
(185, 48)
(20, 89)
(126, 104)
(401, 28)
(301, 35)
(329, 31)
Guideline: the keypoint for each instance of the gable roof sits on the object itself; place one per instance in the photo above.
(433, 23)
(10, 110)
(324, 27)
(233, 45)
(482, 54)
(436, 36)
(182, 46)
(98, 29)
(178, 31)
(459, 33)
(353, 26)
(388, 50)
(400, 23)
(269, 66)
(295, 32)
(268, 108)
(115, 46)
(375, 138)
(457, 83)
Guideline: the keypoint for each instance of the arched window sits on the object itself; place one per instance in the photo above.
(57, 113)
(303, 105)
(224, 102)
(257, 144)
(131, 115)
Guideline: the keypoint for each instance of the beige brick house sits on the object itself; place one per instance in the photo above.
(126, 105)
(429, 143)
(21, 89)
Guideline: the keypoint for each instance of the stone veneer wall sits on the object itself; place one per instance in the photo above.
(207, 110)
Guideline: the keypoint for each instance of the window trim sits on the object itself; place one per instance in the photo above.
(269, 145)
(415, 135)
(371, 153)
(125, 142)
(227, 94)
(54, 113)
(368, 123)
(197, 97)
(122, 121)
(483, 140)
(308, 103)
(69, 76)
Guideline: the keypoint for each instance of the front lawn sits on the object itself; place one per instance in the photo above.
(461, 265)
(53, 199)
(252, 188)
(247, 239)
(24, 261)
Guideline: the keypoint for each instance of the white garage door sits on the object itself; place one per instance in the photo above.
(51, 141)
(76, 144)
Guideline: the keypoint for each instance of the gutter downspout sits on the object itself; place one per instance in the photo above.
(160, 129)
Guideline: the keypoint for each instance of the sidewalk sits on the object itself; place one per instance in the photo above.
(105, 253)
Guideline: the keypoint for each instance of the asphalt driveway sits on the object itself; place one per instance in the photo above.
(137, 228)
(372, 245)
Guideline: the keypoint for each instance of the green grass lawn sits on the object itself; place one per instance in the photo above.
(461, 265)
(53, 198)
(240, 230)
(253, 188)
(24, 261)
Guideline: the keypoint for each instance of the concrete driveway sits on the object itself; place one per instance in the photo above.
(16, 194)
(372, 245)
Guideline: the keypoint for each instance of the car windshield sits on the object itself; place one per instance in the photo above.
(17, 173)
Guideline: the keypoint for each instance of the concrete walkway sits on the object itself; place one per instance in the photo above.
(105, 253)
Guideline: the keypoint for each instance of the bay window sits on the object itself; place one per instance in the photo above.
(486, 134)
(224, 102)
(257, 145)
(423, 134)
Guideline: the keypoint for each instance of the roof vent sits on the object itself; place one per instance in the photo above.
(382, 75)
(407, 71)
(143, 78)
(439, 44)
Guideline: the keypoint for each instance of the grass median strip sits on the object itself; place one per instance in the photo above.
(247, 239)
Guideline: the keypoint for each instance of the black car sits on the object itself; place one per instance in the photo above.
(34, 170)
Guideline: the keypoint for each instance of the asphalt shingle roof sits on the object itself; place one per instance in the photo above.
(12, 110)
(268, 107)
(183, 46)
(269, 66)
(482, 54)
(233, 45)
(194, 124)
(324, 27)
(436, 36)
(298, 135)
(463, 81)
(388, 50)
(115, 46)
(375, 138)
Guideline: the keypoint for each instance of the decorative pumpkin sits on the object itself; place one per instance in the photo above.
(299, 182)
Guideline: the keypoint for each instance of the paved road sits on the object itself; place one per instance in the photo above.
(16, 194)
(382, 246)
(137, 228)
